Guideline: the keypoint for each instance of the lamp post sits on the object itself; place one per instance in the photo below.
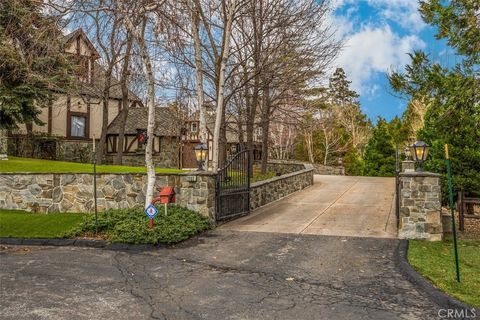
(201, 152)
(419, 152)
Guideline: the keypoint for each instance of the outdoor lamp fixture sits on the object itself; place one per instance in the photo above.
(419, 152)
(201, 152)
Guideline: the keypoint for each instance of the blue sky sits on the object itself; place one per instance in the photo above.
(378, 35)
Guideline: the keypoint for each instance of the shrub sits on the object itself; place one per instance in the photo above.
(131, 225)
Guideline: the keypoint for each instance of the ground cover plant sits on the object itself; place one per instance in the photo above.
(131, 226)
(435, 261)
(16, 164)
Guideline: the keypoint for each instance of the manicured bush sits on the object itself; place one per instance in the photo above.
(132, 226)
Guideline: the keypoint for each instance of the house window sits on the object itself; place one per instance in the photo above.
(194, 127)
(78, 126)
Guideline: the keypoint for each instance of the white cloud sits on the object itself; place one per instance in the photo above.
(374, 50)
(403, 12)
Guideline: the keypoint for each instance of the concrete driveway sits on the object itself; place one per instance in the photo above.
(334, 205)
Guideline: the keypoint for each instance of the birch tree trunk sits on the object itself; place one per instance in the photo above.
(148, 69)
(125, 105)
(199, 73)
(220, 108)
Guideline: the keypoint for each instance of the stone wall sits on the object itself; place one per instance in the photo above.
(264, 192)
(74, 192)
(74, 151)
(328, 170)
(420, 206)
(163, 159)
(286, 166)
(282, 166)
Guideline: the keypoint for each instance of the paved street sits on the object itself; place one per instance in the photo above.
(220, 275)
(334, 205)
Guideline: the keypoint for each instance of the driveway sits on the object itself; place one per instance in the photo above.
(220, 275)
(334, 205)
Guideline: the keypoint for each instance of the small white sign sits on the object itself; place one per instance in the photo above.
(151, 211)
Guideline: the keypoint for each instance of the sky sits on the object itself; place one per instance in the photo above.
(378, 35)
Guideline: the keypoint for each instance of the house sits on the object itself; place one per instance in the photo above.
(166, 143)
(75, 117)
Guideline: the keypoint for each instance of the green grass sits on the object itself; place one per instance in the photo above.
(122, 225)
(15, 164)
(20, 224)
(435, 261)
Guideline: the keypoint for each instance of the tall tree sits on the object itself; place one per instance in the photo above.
(32, 62)
(379, 155)
(347, 110)
(453, 112)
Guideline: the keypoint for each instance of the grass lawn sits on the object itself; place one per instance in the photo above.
(15, 164)
(436, 262)
(122, 225)
(20, 224)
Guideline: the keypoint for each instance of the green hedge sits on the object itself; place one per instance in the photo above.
(132, 226)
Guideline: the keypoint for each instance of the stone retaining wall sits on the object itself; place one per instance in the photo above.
(43, 192)
(264, 192)
(287, 166)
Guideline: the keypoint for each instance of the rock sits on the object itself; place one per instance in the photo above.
(57, 194)
(66, 179)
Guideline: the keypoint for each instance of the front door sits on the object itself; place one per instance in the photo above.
(188, 155)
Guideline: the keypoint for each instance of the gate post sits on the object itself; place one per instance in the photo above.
(420, 206)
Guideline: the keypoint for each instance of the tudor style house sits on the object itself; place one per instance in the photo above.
(75, 117)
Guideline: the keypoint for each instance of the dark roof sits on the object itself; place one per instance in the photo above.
(166, 122)
(96, 87)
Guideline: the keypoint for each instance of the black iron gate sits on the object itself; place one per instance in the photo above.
(233, 187)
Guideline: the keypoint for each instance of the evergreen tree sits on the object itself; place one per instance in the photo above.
(379, 158)
(32, 62)
(339, 89)
(453, 113)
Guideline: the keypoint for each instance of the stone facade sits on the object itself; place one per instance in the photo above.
(164, 159)
(264, 192)
(328, 170)
(420, 206)
(74, 192)
(286, 166)
(74, 151)
(281, 166)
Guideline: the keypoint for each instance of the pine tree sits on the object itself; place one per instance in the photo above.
(32, 62)
(339, 89)
(379, 158)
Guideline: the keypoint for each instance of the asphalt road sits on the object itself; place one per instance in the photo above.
(220, 275)
(334, 205)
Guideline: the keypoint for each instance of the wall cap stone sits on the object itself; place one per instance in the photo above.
(419, 174)
(284, 176)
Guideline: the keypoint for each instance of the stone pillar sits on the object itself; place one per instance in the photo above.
(420, 206)
(408, 166)
(196, 191)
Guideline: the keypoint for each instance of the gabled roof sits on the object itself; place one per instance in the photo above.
(166, 122)
(80, 33)
(95, 89)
